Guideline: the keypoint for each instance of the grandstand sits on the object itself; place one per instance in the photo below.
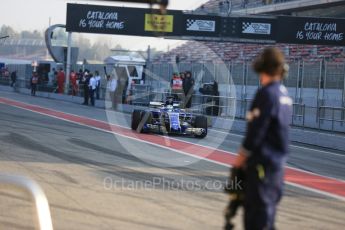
(272, 6)
(218, 6)
(227, 51)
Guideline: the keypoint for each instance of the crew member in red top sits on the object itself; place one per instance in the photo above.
(61, 81)
(177, 86)
(73, 79)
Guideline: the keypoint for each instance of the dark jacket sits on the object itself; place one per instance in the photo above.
(13, 76)
(267, 136)
(188, 84)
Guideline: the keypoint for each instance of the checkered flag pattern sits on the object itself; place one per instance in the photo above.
(190, 22)
(247, 26)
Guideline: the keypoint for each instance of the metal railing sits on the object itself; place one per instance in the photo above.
(303, 116)
(298, 113)
(37, 194)
(331, 114)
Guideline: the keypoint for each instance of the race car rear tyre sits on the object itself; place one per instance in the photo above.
(201, 122)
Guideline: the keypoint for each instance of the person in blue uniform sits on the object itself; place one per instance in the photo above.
(265, 146)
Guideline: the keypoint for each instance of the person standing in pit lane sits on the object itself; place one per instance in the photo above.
(13, 78)
(265, 147)
(85, 80)
(111, 88)
(73, 80)
(34, 82)
(61, 81)
(92, 88)
(188, 89)
(176, 85)
(98, 84)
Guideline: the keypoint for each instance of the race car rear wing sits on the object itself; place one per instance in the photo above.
(156, 104)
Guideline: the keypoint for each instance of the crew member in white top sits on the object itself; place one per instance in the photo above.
(92, 89)
(98, 84)
(111, 87)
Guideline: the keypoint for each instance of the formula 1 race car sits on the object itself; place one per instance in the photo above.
(168, 118)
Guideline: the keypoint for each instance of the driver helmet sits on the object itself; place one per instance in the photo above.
(169, 101)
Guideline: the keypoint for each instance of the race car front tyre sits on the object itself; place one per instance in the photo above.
(140, 118)
(201, 122)
(136, 119)
(146, 118)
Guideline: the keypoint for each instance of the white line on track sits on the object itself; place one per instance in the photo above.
(295, 146)
(316, 191)
(241, 136)
(228, 152)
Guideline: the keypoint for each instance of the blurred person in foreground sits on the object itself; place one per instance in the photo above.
(264, 150)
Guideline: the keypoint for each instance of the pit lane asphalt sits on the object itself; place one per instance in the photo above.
(71, 161)
(310, 158)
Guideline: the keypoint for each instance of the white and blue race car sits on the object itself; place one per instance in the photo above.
(169, 118)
